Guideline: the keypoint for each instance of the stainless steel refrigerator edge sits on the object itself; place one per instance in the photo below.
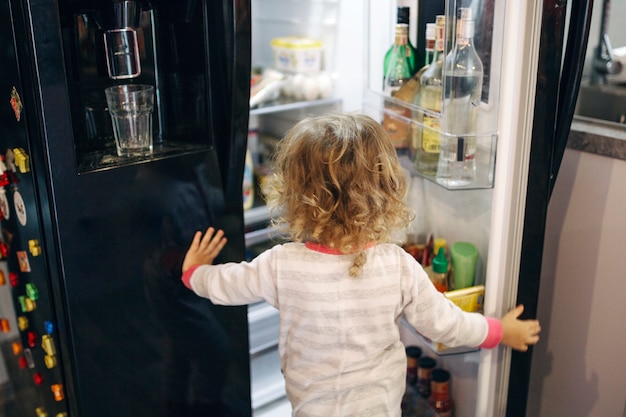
(131, 340)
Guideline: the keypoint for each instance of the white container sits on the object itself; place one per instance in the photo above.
(297, 54)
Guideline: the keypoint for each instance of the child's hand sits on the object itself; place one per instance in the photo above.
(518, 334)
(204, 250)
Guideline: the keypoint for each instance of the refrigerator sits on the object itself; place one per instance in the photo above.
(95, 319)
(533, 54)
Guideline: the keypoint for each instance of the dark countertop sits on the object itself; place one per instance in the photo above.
(598, 137)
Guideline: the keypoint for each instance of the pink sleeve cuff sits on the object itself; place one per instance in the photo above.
(187, 276)
(494, 334)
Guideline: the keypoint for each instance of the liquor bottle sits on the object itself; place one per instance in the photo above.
(429, 100)
(396, 116)
(414, 84)
(402, 19)
(462, 95)
(431, 38)
(440, 393)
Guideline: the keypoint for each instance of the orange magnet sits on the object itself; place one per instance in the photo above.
(5, 326)
(57, 390)
(3, 278)
(17, 348)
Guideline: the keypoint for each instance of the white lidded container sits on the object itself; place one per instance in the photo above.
(297, 54)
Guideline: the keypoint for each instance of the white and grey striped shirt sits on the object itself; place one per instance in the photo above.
(339, 340)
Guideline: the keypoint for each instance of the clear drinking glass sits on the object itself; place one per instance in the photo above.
(130, 107)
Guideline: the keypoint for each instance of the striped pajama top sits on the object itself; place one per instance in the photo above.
(339, 341)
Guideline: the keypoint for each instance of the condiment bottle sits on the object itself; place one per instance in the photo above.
(440, 393)
(413, 354)
(439, 274)
(410, 397)
(425, 367)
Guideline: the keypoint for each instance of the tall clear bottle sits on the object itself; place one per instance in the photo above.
(462, 95)
(396, 116)
(429, 50)
(429, 99)
(402, 19)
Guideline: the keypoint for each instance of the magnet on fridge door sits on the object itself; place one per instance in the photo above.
(22, 160)
(31, 339)
(22, 323)
(22, 259)
(50, 361)
(16, 104)
(17, 348)
(57, 390)
(38, 378)
(28, 354)
(20, 207)
(47, 343)
(5, 326)
(34, 248)
(4, 251)
(32, 292)
(3, 279)
(14, 279)
(27, 304)
(48, 326)
(4, 204)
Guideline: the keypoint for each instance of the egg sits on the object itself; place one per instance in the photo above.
(325, 85)
(297, 85)
(310, 88)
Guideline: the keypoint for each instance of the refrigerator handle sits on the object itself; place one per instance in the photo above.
(569, 84)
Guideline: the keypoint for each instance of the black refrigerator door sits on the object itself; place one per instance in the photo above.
(558, 83)
(132, 340)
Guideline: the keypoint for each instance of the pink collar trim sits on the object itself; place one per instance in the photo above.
(318, 247)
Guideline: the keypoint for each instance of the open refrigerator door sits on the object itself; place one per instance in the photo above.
(487, 211)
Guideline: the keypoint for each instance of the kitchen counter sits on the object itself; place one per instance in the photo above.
(598, 137)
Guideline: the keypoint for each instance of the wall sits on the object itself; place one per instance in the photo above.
(579, 368)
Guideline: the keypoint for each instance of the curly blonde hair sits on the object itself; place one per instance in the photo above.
(338, 182)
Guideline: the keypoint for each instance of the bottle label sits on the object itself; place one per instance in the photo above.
(397, 129)
(430, 135)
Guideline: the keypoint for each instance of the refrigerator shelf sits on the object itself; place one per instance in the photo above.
(283, 104)
(437, 349)
(106, 159)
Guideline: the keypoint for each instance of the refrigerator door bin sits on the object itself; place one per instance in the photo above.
(479, 148)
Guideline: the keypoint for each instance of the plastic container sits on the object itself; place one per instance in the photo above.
(248, 182)
(297, 54)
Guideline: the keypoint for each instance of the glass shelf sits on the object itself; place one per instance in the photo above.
(107, 158)
(282, 104)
